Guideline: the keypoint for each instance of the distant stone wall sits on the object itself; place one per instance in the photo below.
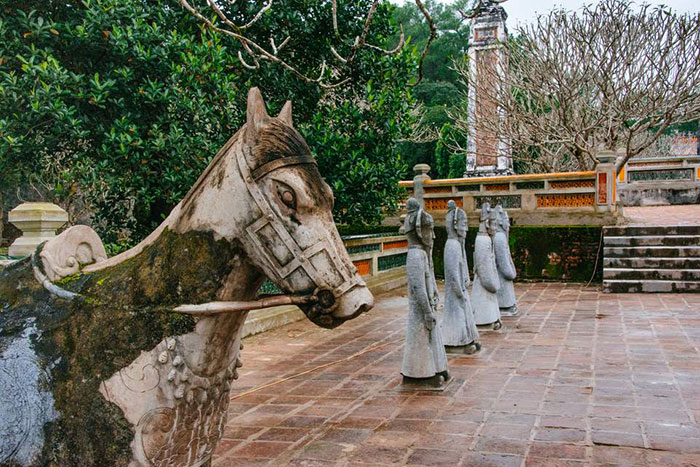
(562, 253)
(660, 181)
(571, 198)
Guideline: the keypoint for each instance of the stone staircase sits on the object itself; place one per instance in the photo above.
(651, 259)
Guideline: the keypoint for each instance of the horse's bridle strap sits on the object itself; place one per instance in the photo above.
(282, 162)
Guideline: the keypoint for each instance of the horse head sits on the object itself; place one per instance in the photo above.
(282, 217)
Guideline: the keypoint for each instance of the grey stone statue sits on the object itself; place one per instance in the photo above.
(504, 264)
(458, 328)
(486, 281)
(424, 358)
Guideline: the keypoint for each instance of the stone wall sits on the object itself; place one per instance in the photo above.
(660, 181)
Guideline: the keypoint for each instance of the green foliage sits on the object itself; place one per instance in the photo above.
(438, 91)
(447, 163)
(355, 144)
(561, 253)
(112, 108)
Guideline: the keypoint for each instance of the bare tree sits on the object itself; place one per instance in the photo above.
(330, 75)
(614, 75)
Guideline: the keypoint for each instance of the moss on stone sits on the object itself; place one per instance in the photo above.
(123, 311)
(565, 253)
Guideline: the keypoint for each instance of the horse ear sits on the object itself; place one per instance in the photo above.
(257, 114)
(286, 114)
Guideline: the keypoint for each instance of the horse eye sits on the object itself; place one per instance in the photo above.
(289, 199)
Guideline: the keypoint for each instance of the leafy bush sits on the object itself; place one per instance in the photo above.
(112, 108)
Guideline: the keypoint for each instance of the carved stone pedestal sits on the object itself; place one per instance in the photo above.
(38, 223)
(468, 349)
(436, 383)
(491, 326)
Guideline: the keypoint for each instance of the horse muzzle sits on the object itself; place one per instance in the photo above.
(327, 311)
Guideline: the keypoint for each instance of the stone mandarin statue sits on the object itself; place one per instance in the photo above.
(130, 360)
(504, 264)
(458, 327)
(424, 358)
(486, 281)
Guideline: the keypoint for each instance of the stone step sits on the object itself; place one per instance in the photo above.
(652, 274)
(650, 286)
(626, 230)
(653, 240)
(652, 263)
(652, 251)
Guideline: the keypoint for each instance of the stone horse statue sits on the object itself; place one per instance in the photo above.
(130, 360)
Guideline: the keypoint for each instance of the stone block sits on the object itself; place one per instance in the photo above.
(38, 223)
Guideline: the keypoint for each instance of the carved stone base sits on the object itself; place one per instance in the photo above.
(495, 326)
(468, 349)
(437, 383)
(510, 311)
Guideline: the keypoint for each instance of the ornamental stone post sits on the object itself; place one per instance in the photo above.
(38, 223)
(605, 181)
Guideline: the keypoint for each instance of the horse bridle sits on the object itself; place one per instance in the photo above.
(326, 290)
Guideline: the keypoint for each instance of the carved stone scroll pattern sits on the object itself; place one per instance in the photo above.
(560, 185)
(569, 200)
(187, 433)
(390, 262)
(660, 175)
(440, 204)
(508, 201)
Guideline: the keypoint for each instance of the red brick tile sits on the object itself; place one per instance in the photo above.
(557, 450)
(619, 456)
(266, 449)
(325, 451)
(301, 421)
(486, 459)
(434, 457)
(403, 439)
(497, 430)
(570, 435)
(347, 435)
(501, 445)
(454, 427)
(672, 443)
(283, 434)
(616, 438)
(372, 454)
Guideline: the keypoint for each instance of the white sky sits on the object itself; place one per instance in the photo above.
(527, 10)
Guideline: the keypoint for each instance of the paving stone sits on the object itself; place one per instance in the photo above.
(578, 378)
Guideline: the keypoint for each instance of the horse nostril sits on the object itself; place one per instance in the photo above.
(365, 307)
(326, 298)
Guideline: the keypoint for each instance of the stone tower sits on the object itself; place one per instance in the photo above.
(487, 154)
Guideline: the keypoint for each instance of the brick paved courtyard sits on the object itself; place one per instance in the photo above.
(579, 378)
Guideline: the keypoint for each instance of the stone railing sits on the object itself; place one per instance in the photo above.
(572, 198)
(660, 180)
(375, 254)
(379, 258)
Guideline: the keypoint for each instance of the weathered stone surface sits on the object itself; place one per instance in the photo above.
(38, 223)
(112, 375)
(486, 280)
(424, 353)
(504, 264)
(457, 325)
(67, 253)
